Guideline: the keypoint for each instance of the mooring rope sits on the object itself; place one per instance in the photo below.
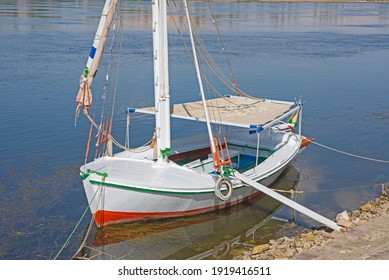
(79, 221)
(346, 153)
(82, 245)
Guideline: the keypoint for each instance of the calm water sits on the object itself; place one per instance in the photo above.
(334, 55)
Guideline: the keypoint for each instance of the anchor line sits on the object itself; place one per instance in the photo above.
(346, 153)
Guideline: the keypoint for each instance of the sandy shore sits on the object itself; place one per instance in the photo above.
(364, 235)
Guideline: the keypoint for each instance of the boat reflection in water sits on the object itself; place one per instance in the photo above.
(218, 235)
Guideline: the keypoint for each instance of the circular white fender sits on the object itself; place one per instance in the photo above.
(225, 185)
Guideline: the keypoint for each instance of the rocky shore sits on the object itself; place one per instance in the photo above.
(363, 235)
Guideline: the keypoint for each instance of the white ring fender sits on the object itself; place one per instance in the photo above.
(225, 185)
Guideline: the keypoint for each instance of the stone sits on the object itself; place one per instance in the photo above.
(318, 241)
(289, 253)
(343, 229)
(272, 242)
(279, 258)
(345, 223)
(260, 249)
(325, 234)
(343, 215)
(309, 237)
(366, 208)
(357, 221)
(298, 244)
(355, 213)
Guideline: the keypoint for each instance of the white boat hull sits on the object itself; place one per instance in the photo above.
(143, 189)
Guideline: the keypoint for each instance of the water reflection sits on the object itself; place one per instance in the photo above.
(333, 54)
(231, 16)
(218, 235)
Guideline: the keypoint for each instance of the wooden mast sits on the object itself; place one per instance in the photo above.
(161, 78)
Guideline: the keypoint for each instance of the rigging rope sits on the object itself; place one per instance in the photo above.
(140, 149)
(208, 60)
(120, 20)
(346, 153)
(223, 48)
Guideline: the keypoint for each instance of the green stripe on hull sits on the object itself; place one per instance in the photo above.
(94, 182)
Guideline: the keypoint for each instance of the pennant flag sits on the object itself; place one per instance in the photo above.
(293, 120)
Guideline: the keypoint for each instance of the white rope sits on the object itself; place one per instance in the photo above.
(140, 149)
(291, 191)
(349, 154)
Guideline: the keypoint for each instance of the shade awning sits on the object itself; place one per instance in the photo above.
(234, 111)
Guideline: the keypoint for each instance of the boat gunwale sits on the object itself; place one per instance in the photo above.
(259, 178)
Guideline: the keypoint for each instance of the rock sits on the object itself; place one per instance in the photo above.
(272, 242)
(289, 253)
(318, 241)
(366, 208)
(309, 237)
(343, 216)
(336, 233)
(287, 239)
(355, 213)
(383, 198)
(343, 229)
(298, 244)
(306, 246)
(357, 221)
(345, 223)
(325, 234)
(260, 249)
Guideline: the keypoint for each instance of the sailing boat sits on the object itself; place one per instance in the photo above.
(207, 236)
(172, 179)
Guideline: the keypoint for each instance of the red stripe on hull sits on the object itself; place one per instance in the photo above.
(104, 217)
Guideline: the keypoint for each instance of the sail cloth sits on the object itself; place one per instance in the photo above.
(84, 95)
(234, 111)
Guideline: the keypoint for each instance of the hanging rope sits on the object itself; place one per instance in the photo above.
(346, 153)
(88, 145)
(140, 149)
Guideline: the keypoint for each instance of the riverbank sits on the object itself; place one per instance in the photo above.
(363, 236)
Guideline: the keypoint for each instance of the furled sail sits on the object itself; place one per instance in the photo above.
(84, 96)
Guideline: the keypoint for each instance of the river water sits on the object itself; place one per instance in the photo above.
(334, 55)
